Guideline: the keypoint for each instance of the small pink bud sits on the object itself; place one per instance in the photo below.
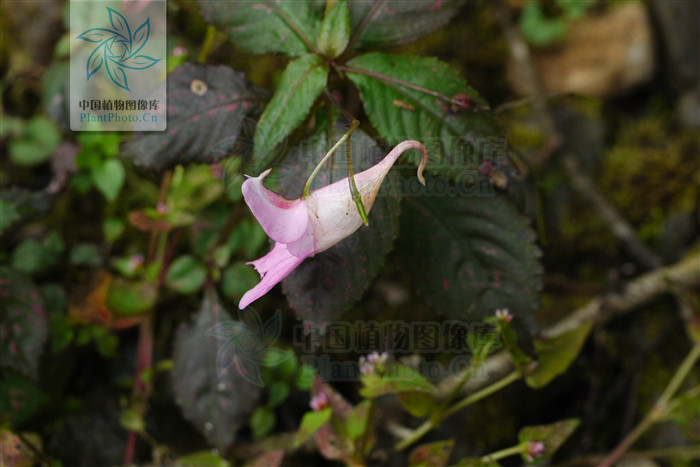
(217, 170)
(179, 51)
(535, 449)
(504, 315)
(162, 208)
(319, 402)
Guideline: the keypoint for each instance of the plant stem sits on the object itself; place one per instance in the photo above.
(206, 45)
(660, 409)
(364, 440)
(356, 196)
(307, 185)
(417, 434)
(144, 351)
(487, 391)
(428, 425)
(511, 451)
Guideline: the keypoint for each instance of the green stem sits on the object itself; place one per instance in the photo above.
(206, 46)
(356, 196)
(658, 412)
(307, 185)
(511, 451)
(364, 440)
(428, 425)
(417, 434)
(487, 391)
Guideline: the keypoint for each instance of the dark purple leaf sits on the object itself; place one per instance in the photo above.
(471, 254)
(386, 23)
(23, 323)
(325, 286)
(217, 403)
(207, 108)
(264, 26)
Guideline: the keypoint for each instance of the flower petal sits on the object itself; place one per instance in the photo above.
(283, 220)
(273, 267)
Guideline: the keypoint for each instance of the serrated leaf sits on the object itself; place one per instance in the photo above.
(458, 141)
(23, 323)
(335, 30)
(553, 436)
(266, 26)
(36, 143)
(32, 256)
(186, 275)
(397, 22)
(19, 398)
(555, 355)
(217, 405)
(432, 454)
(323, 287)
(302, 82)
(207, 108)
(311, 422)
(472, 255)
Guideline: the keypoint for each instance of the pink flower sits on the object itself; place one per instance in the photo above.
(535, 449)
(319, 402)
(504, 315)
(303, 227)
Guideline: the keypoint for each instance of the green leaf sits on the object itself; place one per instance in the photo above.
(262, 421)
(85, 254)
(216, 404)
(23, 323)
(553, 436)
(112, 228)
(305, 378)
(8, 214)
(186, 275)
(540, 30)
(555, 355)
(399, 378)
(277, 392)
(471, 255)
(389, 23)
(418, 404)
(356, 423)
(432, 454)
(37, 142)
(311, 423)
(109, 178)
(325, 286)
(19, 398)
(302, 82)
(335, 30)
(458, 141)
(33, 256)
(209, 107)
(266, 26)
(129, 298)
(237, 279)
(202, 459)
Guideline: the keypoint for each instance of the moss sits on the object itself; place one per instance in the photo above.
(650, 172)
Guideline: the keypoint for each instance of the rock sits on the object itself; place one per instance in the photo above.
(601, 56)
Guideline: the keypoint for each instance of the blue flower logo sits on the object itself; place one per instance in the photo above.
(118, 49)
(248, 344)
